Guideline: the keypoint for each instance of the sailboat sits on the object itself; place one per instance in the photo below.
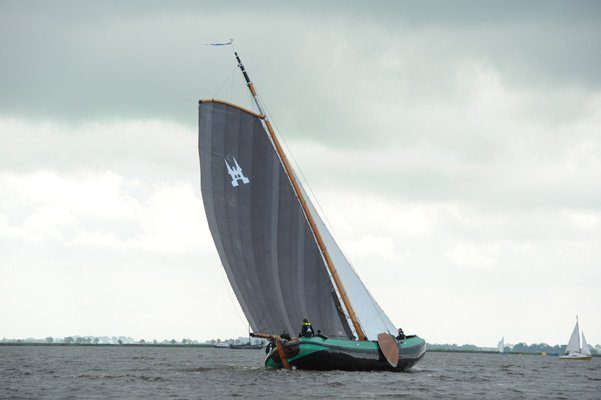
(574, 351)
(501, 345)
(280, 258)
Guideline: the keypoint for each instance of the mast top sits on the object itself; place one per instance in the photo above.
(250, 85)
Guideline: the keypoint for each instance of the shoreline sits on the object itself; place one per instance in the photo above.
(111, 344)
(205, 345)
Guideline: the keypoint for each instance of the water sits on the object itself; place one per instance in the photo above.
(76, 372)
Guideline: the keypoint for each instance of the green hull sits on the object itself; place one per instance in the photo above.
(347, 355)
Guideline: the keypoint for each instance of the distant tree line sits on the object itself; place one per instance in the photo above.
(517, 348)
(538, 348)
(446, 346)
(98, 340)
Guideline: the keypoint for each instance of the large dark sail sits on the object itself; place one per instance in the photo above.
(262, 236)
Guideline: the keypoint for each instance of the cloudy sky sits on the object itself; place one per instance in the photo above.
(455, 150)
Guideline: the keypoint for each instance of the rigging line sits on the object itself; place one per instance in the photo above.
(227, 289)
(232, 88)
(296, 163)
(326, 221)
(306, 182)
(304, 179)
(226, 80)
(299, 169)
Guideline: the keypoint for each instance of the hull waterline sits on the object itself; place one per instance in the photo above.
(576, 357)
(346, 355)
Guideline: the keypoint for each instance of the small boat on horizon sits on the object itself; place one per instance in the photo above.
(283, 263)
(574, 350)
(246, 346)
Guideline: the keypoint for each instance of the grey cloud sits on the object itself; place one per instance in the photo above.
(313, 62)
(359, 80)
(150, 151)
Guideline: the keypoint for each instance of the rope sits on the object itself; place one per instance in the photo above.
(323, 214)
(244, 323)
(224, 82)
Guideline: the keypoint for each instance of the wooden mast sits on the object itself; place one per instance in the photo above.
(301, 198)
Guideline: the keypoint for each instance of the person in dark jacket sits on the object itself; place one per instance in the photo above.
(285, 335)
(401, 335)
(318, 334)
(306, 329)
(269, 346)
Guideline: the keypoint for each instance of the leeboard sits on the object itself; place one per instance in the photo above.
(389, 348)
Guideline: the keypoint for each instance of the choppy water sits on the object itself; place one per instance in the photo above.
(28, 372)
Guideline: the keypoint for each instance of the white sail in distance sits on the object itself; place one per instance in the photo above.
(574, 343)
(586, 350)
(501, 345)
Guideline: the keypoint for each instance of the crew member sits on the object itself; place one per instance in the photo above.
(318, 334)
(401, 335)
(285, 335)
(270, 346)
(307, 329)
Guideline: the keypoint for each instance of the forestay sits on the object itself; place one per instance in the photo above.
(372, 318)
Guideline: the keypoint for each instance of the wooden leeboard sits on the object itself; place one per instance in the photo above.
(389, 348)
(282, 354)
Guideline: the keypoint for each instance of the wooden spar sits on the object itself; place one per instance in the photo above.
(301, 198)
(262, 335)
(278, 345)
(232, 105)
(320, 242)
(282, 353)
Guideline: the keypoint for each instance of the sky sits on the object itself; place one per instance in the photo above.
(454, 148)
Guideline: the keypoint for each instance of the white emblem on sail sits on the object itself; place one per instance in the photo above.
(236, 173)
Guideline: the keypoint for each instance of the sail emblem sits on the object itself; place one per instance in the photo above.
(236, 173)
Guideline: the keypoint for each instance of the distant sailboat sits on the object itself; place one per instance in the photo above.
(574, 351)
(501, 345)
(586, 350)
(281, 260)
